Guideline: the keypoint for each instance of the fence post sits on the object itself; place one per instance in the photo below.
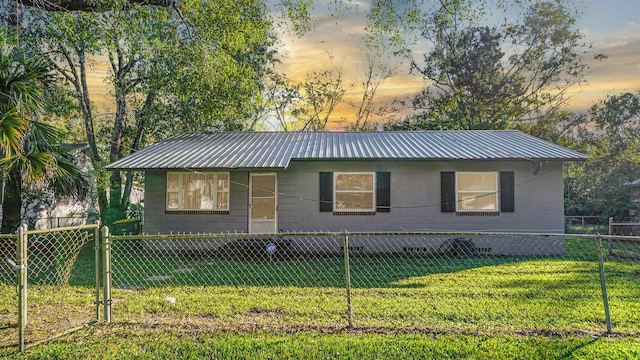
(609, 250)
(96, 236)
(106, 273)
(603, 283)
(22, 283)
(347, 276)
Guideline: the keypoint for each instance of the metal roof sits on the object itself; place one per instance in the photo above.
(237, 150)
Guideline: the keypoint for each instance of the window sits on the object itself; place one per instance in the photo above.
(354, 191)
(477, 191)
(198, 191)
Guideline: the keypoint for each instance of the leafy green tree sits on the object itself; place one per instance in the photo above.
(612, 140)
(89, 5)
(32, 154)
(196, 69)
(297, 12)
(488, 74)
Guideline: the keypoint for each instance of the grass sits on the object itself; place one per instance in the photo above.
(559, 295)
(587, 229)
(125, 341)
(420, 307)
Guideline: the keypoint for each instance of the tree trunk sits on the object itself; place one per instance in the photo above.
(12, 203)
(85, 103)
(82, 90)
(142, 117)
(116, 203)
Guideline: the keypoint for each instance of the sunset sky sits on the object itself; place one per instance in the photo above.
(612, 27)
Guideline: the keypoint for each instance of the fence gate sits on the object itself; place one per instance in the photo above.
(49, 284)
(628, 248)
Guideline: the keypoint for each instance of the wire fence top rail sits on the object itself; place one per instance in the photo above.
(186, 235)
(63, 229)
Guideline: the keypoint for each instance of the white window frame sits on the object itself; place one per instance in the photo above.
(179, 190)
(495, 191)
(336, 191)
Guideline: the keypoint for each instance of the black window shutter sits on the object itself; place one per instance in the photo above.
(507, 201)
(447, 191)
(326, 191)
(383, 192)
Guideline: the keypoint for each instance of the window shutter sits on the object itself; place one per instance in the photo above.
(447, 191)
(326, 191)
(507, 191)
(383, 192)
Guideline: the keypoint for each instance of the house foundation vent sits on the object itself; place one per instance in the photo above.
(353, 248)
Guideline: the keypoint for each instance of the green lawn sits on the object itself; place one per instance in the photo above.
(126, 340)
(403, 308)
(559, 295)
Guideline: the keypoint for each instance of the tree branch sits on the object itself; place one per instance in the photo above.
(86, 5)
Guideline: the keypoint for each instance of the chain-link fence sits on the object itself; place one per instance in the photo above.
(452, 283)
(7, 251)
(627, 248)
(37, 300)
(442, 282)
(624, 228)
(8, 294)
(578, 224)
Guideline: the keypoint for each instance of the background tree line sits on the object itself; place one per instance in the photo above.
(190, 65)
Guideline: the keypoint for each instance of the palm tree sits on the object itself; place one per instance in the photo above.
(31, 152)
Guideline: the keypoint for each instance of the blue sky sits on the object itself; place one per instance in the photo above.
(610, 15)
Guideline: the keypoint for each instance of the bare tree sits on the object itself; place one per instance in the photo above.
(320, 93)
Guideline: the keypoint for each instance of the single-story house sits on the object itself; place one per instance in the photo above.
(269, 182)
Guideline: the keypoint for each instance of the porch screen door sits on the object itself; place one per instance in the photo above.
(263, 203)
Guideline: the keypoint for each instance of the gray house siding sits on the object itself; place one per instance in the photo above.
(415, 206)
(415, 198)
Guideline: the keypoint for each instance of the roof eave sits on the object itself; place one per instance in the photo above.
(286, 166)
(122, 168)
